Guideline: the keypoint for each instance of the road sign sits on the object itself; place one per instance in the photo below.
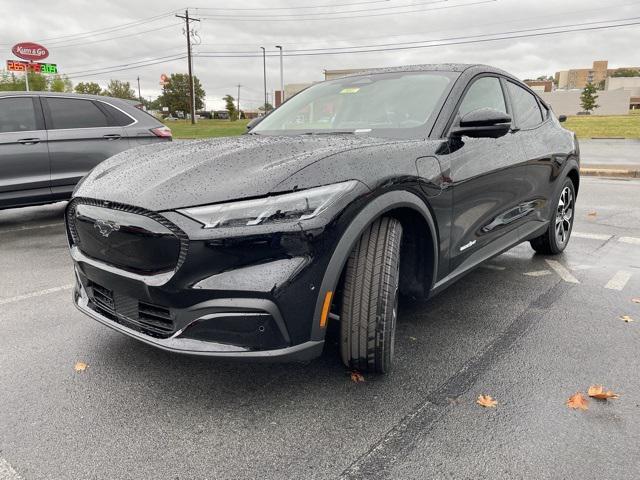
(30, 51)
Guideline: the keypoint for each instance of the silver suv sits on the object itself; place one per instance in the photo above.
(49, 141)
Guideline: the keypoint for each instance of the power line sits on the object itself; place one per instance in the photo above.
(411, 45)
(101, 31)
(536, 29)
(131, 64)
(111, 70)
(108, 39)
(313, 14)
(294, 7)
(347, 17)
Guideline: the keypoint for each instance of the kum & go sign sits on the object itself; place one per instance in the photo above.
(30, 51)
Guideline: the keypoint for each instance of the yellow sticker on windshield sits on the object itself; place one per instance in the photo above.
(350, 90)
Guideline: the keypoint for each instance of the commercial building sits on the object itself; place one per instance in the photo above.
(540, 85)
(567, 102)
(630, 84)
(579, 77)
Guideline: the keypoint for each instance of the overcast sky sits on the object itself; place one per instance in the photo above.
(364, 22)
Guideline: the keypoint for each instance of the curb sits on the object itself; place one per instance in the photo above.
(610, 172)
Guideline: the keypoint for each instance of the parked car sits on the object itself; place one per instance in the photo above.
(49, 141)
(248, 247)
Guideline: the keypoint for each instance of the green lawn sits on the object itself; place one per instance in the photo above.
(207, 128)
(627, 126)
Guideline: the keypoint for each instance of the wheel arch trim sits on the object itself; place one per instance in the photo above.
(373, 210)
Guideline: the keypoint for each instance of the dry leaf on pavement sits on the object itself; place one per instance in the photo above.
(578, 401)
(356, 377)
(626, 318)
(80, 366)
(592, 213)
(486, 401)
(636, 300)
(598, 391)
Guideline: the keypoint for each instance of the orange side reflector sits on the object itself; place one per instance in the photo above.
(325, 309)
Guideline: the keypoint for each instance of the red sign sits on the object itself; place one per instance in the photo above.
(30, 51)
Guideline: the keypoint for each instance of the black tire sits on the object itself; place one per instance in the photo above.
(370, 298)
(551, 242)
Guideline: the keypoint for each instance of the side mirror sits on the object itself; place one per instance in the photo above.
(562, 118)
(483, 123)
(254, 122)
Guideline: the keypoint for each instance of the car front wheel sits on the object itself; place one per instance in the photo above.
(370, 298)
(556, 238)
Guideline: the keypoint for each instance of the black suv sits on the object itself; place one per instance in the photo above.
(355, 190)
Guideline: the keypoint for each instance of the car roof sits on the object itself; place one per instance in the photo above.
(67, 95)
(435, 67)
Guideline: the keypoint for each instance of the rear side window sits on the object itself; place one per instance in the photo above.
(485, 92)
(525, 106)
(17, 115)
(75, 113)
(119, 117)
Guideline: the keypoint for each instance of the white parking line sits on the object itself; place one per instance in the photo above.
(631, 240)
(618, 281)
(538, 273)
(562, 272)
(592, 236)
(22, 229)
(5, 301)
(7, 472)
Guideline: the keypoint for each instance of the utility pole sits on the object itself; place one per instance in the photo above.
(281, 76)
(264, 73)
(238, 102)
(139, 94)
(192, 95)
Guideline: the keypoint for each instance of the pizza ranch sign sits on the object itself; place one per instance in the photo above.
(30, 51)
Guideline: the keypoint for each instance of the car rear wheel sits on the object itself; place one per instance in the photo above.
(370, 298)
(556, 238)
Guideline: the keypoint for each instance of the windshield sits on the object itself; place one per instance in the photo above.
(388, 104)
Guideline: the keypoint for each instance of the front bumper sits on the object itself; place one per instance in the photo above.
(180, 343)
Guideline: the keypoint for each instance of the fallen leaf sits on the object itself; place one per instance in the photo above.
(80, 366)
(635, 300)
(592, 213)
(413, 338)
(598, 391)
(626, 318)
(356, 377)
(578, 401)
(486, 401)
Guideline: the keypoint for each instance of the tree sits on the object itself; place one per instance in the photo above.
(120, 89)
(626, 72)
(89, 88)
(231, 107)
(588, 98)
(268, 109)
(175, 93)
(60, 84)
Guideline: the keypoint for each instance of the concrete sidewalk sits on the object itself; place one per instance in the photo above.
(610, 157)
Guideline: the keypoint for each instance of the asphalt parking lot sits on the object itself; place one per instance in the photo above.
(528, 330)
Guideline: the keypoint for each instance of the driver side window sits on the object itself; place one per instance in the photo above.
(485, 92)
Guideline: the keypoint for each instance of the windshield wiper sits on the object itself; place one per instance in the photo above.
(331, 132)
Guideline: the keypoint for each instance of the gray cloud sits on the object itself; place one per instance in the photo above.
(525, 57)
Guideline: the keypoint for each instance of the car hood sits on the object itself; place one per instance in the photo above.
(178, 174)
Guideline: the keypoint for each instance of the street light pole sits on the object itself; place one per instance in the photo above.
(281, 76)
(264, 73)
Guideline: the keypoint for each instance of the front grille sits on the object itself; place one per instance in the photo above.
(129, 238)
(153, 320)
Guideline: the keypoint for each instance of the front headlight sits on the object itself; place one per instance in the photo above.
(288, 207)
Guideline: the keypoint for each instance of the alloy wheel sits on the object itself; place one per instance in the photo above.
(564, 216)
